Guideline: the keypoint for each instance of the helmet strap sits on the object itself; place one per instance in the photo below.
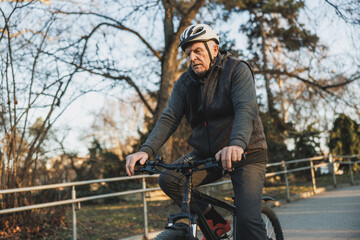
(208, 50)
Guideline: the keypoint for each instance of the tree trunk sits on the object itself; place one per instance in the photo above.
(169, 64)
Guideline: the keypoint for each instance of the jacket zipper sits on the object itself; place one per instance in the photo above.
(205, 116)
(208, 135)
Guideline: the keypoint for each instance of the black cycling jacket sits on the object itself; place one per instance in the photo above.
(222, 110)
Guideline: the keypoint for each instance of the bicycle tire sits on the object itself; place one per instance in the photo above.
(171, 234)
(272, 223)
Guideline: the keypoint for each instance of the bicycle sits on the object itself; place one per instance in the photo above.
(178, 229)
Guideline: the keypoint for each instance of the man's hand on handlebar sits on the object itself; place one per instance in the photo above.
(229, 155)
(132, 159)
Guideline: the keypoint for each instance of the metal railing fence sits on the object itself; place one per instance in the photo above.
(330, 162)
(75, 202)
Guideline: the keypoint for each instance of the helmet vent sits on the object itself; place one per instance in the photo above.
(198, 30)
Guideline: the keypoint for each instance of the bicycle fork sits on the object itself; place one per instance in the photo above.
(185, 210)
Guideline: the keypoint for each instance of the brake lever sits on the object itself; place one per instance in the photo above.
(147, 168)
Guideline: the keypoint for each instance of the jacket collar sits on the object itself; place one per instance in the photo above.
(218, 65)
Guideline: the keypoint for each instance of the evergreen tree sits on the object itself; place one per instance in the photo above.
(307, 142)
(345, 136)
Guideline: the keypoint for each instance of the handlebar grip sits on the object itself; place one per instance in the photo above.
(138, 163)
(235, 165)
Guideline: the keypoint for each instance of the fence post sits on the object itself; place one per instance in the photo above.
(286, 181)
(331, 160)
(146, 231)
(208, 190)
(73, 196)
(313, 176)
(351, 172)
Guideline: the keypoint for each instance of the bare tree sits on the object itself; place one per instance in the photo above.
(33, 96)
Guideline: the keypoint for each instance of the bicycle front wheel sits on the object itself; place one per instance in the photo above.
(172, 234)
(272, 223)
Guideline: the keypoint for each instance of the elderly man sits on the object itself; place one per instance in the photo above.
(217, 96)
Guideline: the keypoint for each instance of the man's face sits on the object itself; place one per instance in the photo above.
(198, 56)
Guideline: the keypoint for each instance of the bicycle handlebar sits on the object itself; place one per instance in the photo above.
(186, 166)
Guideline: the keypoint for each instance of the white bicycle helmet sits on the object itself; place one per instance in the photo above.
(198, 33)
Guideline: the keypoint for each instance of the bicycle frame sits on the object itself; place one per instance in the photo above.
(206, 230)
(188, 193)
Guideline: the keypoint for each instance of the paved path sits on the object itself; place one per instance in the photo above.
(334, 214)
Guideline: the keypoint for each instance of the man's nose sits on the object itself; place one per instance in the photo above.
(192, 57)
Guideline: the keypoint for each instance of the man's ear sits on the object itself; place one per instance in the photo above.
(216, 49)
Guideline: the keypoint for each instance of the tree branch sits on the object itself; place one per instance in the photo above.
(129, 81)
(308, 82)
(316, 86)
(106, 75)
(347, 8)
(188, 17)
(117, 25)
